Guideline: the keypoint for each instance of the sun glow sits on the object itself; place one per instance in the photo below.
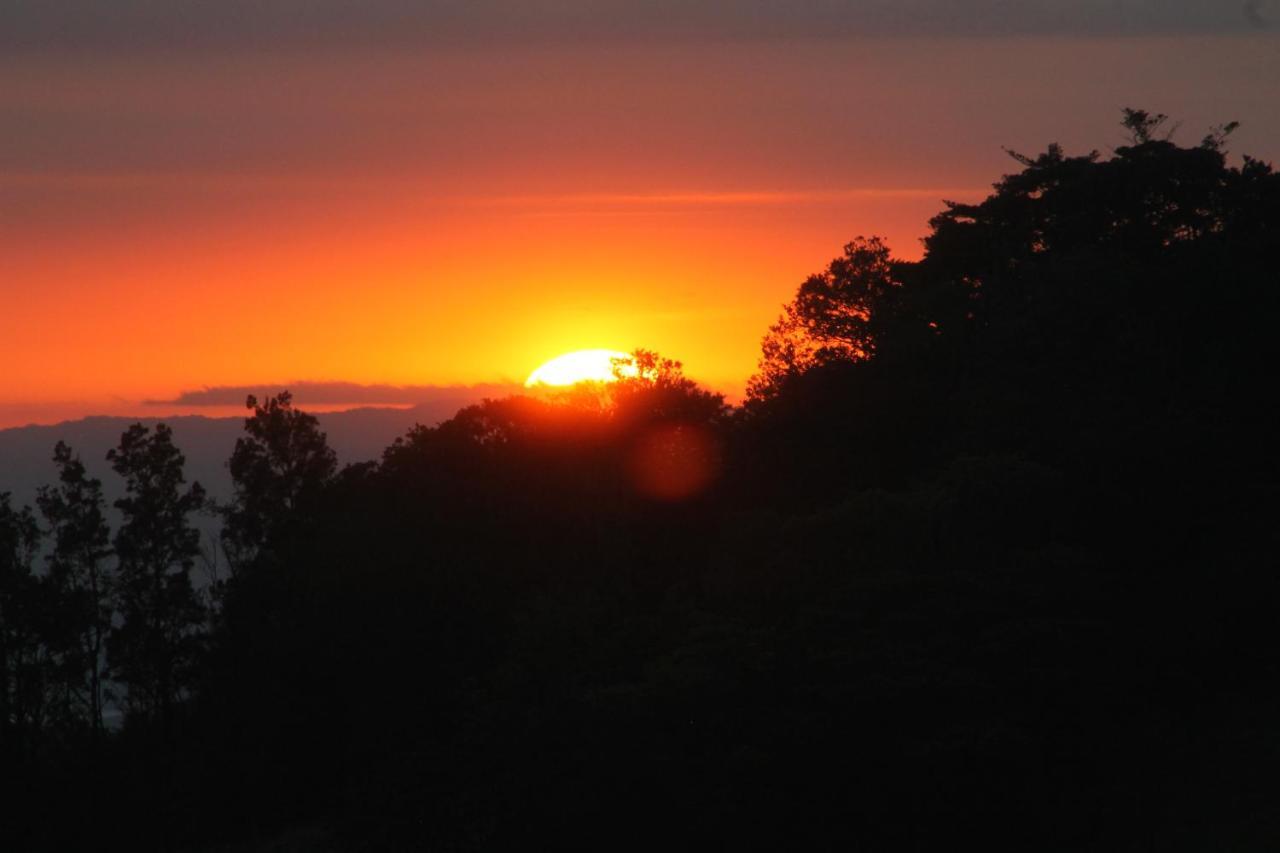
(586, 365)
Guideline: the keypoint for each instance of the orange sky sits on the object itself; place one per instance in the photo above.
(458, 215)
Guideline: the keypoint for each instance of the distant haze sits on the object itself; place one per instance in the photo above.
(357, 435)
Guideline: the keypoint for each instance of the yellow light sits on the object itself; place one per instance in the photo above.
(586, 365)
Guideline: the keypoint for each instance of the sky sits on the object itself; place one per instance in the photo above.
(199, 197)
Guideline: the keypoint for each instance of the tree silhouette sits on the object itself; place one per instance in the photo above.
(832, 317)
(81, 580)
(1143, 125)
(996, 528)
(999, 262)
(277, 468)
(649, 387)
(23, 667)
(153, 651)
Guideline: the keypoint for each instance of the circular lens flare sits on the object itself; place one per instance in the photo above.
(674, 462)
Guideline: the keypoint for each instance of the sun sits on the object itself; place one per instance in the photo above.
(584, 365)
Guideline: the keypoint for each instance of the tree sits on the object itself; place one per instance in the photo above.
(832, 317)
(648, 387)
(80, 580)
(278, 469)
(154, 651)
(1142, 125)
(22, 667)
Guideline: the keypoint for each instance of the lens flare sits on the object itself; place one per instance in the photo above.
(674, 462)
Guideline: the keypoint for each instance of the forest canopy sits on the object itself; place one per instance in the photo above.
(982, 555)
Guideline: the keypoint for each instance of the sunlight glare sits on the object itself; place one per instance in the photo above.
(587, 365)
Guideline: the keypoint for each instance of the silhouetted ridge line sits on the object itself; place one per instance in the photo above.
(985, 558)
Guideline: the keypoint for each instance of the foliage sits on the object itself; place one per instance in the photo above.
(23, 659)
(81, 580)
(153, 652)
(832, 317)
(278, 468)
(651, 388)
(985, 558)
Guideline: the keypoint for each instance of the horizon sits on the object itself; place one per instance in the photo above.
(724, 424)
(220, 405)
(207, 201)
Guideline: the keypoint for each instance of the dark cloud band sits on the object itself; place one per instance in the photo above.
(249, 24)
(342, 393)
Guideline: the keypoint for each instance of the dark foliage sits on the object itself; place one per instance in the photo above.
(154, 650)
(23, 697)
(278, 469)
(82, 584)
(985, 559)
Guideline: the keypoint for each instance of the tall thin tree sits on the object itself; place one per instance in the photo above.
(21, 669)
(80, 576)
(154, 650)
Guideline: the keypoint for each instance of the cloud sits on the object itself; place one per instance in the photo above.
(249, 24)
(728, 198)
(344, 394)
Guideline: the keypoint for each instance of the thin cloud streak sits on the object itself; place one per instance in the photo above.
(201, 181)
(212, 181)
(341, 393)
(727, 198)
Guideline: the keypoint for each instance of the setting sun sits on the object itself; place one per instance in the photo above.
(587, 365)
(889, 466)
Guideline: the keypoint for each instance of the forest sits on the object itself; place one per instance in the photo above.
(982, 557)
